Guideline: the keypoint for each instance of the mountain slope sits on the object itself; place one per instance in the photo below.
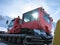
(3, 25)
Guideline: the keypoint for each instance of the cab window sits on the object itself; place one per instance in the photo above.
(30, 16)
(46, 17)
(11, 24)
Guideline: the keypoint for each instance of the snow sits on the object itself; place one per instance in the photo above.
(3, 25)
(3, 29)
(3, 44)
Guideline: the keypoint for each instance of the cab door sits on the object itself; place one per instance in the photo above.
(27, 23)
(29, 18)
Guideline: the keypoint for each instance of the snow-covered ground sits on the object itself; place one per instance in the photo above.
(3, 29)
(3, 44)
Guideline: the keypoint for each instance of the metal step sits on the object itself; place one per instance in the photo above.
(34, 43)
(13, 35)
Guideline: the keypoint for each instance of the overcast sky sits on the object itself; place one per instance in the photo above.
(13, 8)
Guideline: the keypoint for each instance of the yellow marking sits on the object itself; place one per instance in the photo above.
(56, 40)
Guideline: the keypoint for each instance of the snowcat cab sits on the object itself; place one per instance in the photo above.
(37, 19)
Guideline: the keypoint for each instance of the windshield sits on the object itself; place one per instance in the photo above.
(11, 24)
(30, 16)
(46, 17)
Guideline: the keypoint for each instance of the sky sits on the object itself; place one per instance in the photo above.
(14, 8)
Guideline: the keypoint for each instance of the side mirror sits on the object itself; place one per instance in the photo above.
(51, 19)
(7, 22)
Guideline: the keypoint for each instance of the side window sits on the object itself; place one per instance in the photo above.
(46, 17)
(30, 16)
(34, 16)
(11, 24)
(27, 18)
